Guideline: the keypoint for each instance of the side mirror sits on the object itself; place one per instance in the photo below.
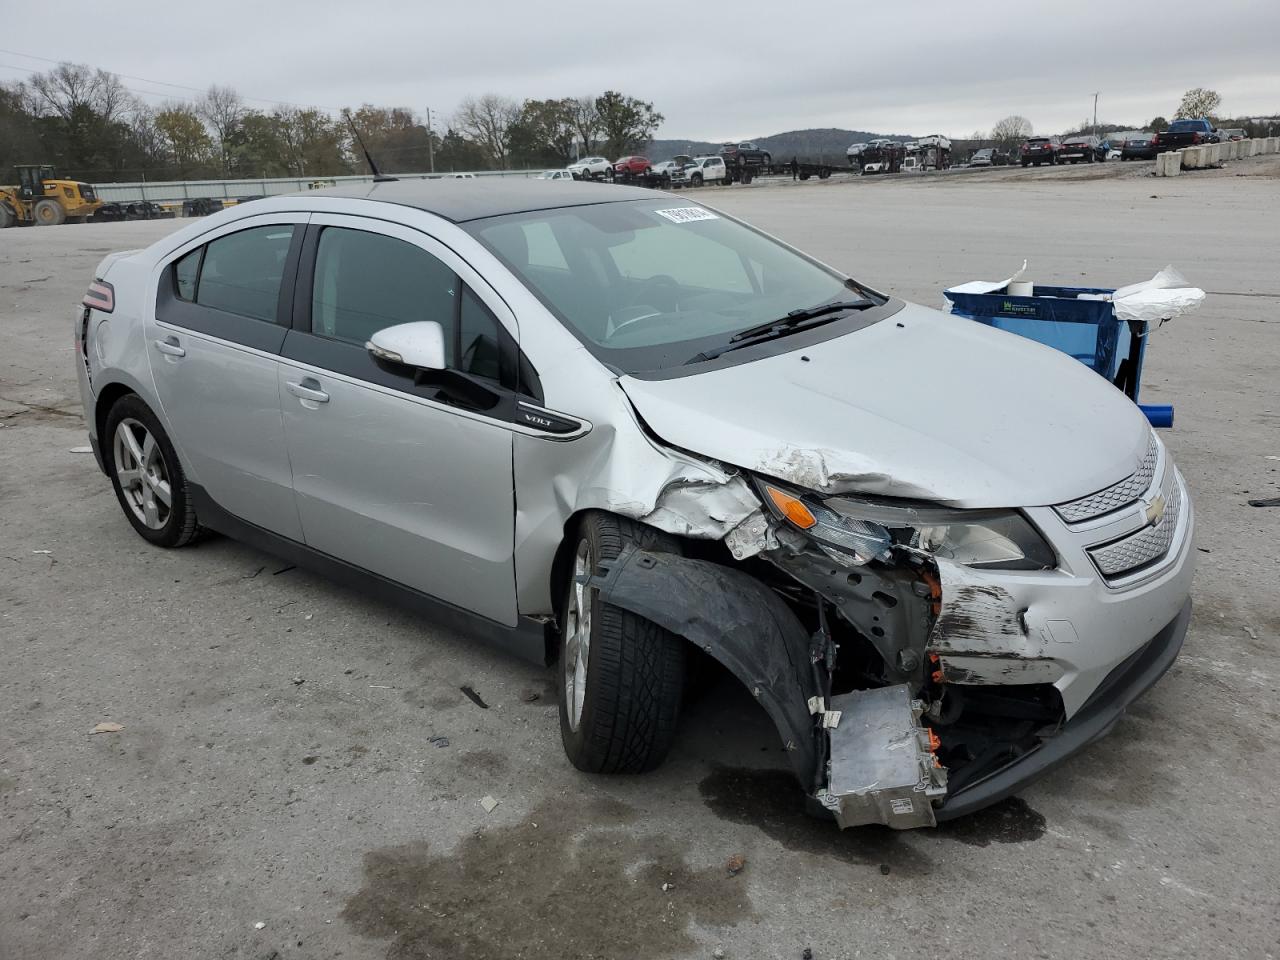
(419, 345)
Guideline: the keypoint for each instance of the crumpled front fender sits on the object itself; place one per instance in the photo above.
(737, 620)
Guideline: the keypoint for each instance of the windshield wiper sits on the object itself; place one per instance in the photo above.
(796, 317)
(793, 322)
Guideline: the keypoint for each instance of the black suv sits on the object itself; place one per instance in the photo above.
(1087, 148)
(1040, 150)
(745, 153)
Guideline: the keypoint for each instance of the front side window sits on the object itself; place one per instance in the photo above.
(650, 284)
(365, 282)
(241, 272)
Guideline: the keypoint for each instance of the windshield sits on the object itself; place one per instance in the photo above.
(650, 284)
(1182, 126)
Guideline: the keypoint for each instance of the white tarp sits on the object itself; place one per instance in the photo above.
(1163, 297)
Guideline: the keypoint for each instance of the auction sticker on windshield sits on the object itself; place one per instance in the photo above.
(686, 214)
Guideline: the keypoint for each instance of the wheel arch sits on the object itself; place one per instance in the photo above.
(106, 399)
(735, 619)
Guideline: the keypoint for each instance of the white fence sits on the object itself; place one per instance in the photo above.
(192, 189)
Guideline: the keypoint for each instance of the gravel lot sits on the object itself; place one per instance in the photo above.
(274, 792)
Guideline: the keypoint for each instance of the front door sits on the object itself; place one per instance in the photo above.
(409, 480)
(220, 319)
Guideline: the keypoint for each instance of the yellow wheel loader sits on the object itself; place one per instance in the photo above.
(41, 198)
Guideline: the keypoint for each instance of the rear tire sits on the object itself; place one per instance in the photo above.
(621, 677)
(144, 471)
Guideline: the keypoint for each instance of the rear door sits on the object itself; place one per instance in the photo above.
(222, 312)
(407, 476)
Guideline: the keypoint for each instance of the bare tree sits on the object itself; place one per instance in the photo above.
(1198, 103)
(1011, 131)
(71, 87)
(488, 121)
(586, 122)
(223, 110)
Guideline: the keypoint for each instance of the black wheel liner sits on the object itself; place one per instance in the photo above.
(736, 619)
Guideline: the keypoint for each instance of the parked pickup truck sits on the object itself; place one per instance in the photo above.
(1185, 133)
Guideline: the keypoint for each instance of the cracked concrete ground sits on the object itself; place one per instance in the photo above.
(323, 810)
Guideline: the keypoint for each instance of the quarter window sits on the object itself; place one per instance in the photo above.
(186, 272)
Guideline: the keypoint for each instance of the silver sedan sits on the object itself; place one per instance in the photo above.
(613, 431)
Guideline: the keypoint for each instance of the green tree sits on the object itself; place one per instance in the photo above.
(1158, 125)
(457, 153)
(1198, 103)
(626, 123)
(313, 143)
(186, 142)
(396, 140)
(544, 133)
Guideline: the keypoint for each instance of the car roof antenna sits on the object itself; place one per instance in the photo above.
(378, 175)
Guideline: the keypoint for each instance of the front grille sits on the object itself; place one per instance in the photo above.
(1114, 497)
(1150, 544)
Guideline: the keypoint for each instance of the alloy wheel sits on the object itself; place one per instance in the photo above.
(577, 637)
(143, 476)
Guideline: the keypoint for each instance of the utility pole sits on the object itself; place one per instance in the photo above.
(1095, 114)
(431, 136)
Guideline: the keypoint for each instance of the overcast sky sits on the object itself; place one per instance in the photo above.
(717, 69)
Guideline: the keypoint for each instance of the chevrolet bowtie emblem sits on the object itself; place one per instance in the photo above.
(1155, 510)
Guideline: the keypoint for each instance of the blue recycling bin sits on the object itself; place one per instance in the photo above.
(1088, 330)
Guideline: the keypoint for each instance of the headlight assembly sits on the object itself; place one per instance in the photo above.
(865, 530)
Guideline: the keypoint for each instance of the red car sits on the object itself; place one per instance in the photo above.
(631, 166)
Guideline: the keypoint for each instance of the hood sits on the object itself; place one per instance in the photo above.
(922, 405)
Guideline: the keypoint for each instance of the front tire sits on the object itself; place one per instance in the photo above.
(48, 213)
(621, 676)
(147, 476)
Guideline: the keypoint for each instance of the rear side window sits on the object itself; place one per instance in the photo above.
(240, 273)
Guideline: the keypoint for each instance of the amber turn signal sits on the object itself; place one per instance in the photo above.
(792, 508)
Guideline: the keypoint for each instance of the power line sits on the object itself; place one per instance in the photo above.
(164, 83)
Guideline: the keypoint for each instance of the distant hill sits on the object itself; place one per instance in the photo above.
(829, 143)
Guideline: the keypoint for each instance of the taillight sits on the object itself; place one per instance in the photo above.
(1195, 138)
(1155, 139)
(100, 296)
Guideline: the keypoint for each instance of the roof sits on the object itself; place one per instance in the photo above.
(463, 200)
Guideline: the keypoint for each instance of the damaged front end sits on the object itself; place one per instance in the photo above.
(902, 675)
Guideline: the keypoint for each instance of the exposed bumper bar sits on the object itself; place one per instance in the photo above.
(1125, 684)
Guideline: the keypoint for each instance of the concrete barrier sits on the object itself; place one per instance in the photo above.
(1212, 154)
(1168, 164)
(1192, 158)
(1231, 150)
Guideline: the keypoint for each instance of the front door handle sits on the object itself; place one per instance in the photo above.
(307, 389)
(170, 347)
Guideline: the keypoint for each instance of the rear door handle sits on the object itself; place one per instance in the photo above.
(170, 347)
(307, 389)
